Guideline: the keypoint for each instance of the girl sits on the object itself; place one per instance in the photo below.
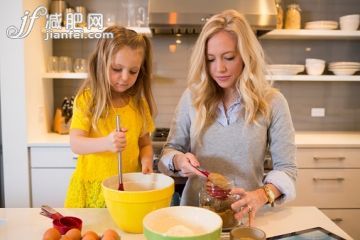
(118, 84)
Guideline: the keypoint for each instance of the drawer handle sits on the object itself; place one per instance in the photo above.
(329, 179)
(329, 158)
(336, 220)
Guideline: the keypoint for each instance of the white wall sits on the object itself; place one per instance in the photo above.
(13, 110)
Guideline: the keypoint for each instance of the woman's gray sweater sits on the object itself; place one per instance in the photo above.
(237, 150)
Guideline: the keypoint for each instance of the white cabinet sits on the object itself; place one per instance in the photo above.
(328, 179)
(51, 170)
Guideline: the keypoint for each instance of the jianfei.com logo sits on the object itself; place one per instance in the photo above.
(74, 25)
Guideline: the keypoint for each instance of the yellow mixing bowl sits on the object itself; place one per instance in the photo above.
(143, 194)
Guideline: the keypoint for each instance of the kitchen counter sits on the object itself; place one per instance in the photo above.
(27, 223)
(302, 139)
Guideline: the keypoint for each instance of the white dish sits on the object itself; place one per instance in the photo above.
(328, 25)
(344, 72)
(285, 69)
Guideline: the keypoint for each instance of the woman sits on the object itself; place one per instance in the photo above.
(228, 117)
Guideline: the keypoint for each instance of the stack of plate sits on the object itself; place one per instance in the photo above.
(327, 25)
(285, 69)
(344, 68)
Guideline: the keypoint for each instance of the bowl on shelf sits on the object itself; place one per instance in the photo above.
(315, 25)
(344, 68)
(182, 223)
(314, 66)
(142, 194)
(349, 22)
(285, 69)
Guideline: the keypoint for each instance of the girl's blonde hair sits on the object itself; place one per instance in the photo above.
(98, 81)
(252, 85)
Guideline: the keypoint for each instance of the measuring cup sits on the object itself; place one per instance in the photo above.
(61, 223)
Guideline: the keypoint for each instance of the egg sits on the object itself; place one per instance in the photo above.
(110, 234)
(90, 235)
(73, 234)
(52, 234)
(64, 237)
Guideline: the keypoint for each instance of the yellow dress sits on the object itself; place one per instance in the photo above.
(85, 185)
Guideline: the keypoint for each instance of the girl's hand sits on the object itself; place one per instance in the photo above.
(116, 141)
(248, 204)
(186, 163)
(146, 166)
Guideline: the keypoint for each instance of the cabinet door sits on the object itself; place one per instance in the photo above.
(52, 157)
(347, 219)
(328, 157)
(328, 188)
(49, 186)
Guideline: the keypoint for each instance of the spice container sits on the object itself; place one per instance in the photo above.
(280, 15)
(219, 200)
(293, 17)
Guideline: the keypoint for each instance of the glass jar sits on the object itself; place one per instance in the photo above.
(293, 17)
(219, 200)
(280, 15)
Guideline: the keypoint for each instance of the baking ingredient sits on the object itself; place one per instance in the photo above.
(64, 237)
(179, 230)
(280, 15)
(51, 234)
(110, 234)
(293, 17)
(90, 235)
(73, 234)
(219, 180)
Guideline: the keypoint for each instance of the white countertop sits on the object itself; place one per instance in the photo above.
(302, 139)
(27, 223)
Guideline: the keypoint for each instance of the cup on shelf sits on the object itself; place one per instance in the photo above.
(65, 64)
(80, 65)
(53, 64)
(350, 22)
(314, 66)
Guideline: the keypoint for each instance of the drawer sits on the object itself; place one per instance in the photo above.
(328, 188)
(328, 157)
(49, 186)
(52, 157)
(346, 219)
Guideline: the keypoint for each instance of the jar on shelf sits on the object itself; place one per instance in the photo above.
(219, 200)
(280, 15)
(293, 17)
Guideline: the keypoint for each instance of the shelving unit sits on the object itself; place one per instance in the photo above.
(66, 75)
(312, 78)
(84, 32)
(305, 34)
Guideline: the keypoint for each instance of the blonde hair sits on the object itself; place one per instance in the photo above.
(98, 81)
(252, 85)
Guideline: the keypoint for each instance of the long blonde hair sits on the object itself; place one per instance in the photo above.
(98, 81)
(252, 85)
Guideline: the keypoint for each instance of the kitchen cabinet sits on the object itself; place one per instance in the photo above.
(327, 179)
(51, 169)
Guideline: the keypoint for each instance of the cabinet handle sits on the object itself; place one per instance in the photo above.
(329, 158)
(336, 220)
(328, 179)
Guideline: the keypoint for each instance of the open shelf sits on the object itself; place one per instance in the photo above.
(69, 75)
(311, 34)
(323, 78)
(84, 32)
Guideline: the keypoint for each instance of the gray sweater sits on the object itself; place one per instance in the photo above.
(237, 150)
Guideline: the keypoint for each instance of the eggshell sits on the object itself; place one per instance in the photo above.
(90, 235)
(110, 234)
(73, 234)
(51, 234)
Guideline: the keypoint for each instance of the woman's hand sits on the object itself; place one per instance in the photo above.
(116, 141)
(248, 204)
(186, 163)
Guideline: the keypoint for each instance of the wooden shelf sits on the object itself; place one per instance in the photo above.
(69, 75)
(312, 78)
(304, 34)
(84, 33)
